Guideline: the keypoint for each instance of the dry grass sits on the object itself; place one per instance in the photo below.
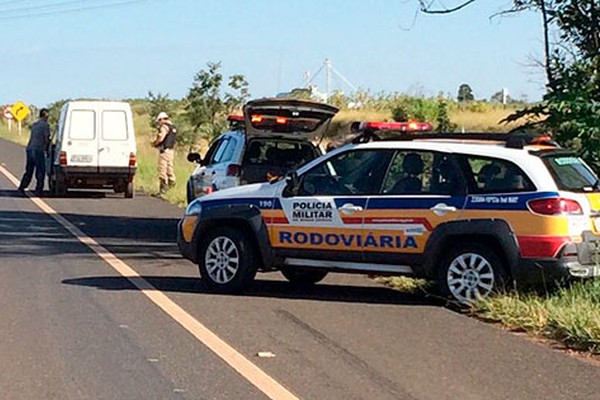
(488, 121)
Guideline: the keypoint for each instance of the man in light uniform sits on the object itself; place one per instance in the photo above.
(165, 142)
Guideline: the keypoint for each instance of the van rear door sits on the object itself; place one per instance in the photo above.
(81, 141)
(115, 141)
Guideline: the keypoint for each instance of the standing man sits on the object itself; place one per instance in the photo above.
(36, 154)
(165, 142)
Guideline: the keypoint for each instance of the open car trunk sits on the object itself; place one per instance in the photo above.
(267, 158)
(287, 118)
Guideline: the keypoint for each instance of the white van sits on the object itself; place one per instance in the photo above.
(93, 148)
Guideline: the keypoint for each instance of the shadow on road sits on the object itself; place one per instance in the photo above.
(10, 193)
(34, 234)
(264, 288)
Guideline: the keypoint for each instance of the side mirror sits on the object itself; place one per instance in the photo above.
(194, 158)
(292, 184)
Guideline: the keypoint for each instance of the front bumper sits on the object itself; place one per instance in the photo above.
(186, 238)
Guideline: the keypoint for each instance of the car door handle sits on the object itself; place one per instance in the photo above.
(350, 209)
(442, 209)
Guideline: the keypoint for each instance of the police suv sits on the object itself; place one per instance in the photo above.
(472, 212)
(273, 136)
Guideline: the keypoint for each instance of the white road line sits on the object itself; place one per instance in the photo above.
(250, 371)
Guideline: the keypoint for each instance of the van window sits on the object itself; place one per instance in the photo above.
(114, 125)
(82, 125)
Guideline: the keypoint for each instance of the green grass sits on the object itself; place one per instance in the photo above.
(570, 315)
(13, 134)
(404, 284)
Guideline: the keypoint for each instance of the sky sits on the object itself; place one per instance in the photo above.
(116, 49)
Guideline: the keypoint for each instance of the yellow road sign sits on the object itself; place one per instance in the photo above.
(20, 111)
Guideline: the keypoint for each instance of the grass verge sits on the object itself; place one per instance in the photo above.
(570, 314)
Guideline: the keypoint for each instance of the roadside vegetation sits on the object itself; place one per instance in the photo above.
(570, 315)
(479, 116)
(570, 110)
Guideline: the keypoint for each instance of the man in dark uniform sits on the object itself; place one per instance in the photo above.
(36, 154)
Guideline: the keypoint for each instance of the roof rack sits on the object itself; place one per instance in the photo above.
(515, 140)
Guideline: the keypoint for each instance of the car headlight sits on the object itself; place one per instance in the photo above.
(194, 208)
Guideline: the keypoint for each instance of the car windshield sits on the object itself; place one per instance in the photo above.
(571, 173)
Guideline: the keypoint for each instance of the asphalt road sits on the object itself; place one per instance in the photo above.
(71, 327)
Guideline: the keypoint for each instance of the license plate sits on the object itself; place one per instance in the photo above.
(81, 158)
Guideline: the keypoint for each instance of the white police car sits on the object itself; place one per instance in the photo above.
(271, 138)
(471, 212)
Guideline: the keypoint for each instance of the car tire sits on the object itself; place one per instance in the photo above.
(130, 190)
(470, 271)
(303, 277)
(226, 260)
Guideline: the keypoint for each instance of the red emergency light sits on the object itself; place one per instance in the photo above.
(411, 126)
(235, 118)
(256, 119)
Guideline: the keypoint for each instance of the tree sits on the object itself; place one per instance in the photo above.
(54, 110)
(158, 103)
(501, 98)
(207, 108)
(443, 118)
(571, 106)
(465, 93)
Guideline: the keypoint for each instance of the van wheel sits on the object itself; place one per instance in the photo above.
(58, 185)
(303, 277)
(471, 271)
(226, 260)
(130, 191)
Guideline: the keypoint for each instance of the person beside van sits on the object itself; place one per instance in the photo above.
(36, 154)
(165, 143)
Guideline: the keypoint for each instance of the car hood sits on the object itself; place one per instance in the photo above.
(287, 118)
(256, 190)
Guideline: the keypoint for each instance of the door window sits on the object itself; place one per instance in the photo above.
(225, 151)
(222, 151)
(114, 125)
(489, 175)
(210, 154)
(421, 172)
(82, 125)
(358, 172)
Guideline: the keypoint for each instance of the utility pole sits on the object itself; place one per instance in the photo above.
(328, 71)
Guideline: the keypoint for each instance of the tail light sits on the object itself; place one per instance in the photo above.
(233, 170)
(555, 206)
(132, 160)
(62, 158)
